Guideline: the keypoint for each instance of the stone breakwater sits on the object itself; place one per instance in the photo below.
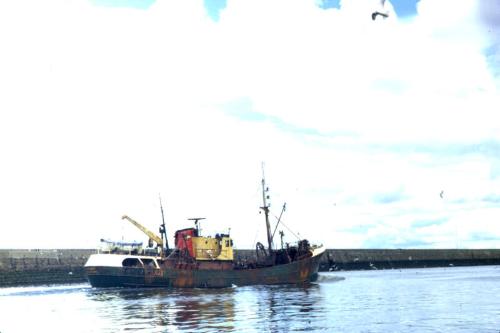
(35, 267)
(361, 259)
(355, 259)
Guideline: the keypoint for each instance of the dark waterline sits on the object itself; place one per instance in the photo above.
(455, 299)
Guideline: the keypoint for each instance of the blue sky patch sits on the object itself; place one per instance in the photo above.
(403, 8)
(138, 4)
(428, 223)
(214, 7)
(242, 109)
(488, 148)
(482, 236)
(327, 4)
(492, 198)
(387, 198)
(359, 229)
(391, 242)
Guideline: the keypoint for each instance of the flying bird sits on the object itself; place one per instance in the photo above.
(375, 14)
(382, 12)
(441, 194)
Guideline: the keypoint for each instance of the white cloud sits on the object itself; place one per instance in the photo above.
(102, 108)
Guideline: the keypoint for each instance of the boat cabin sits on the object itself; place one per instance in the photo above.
(120, 260)
(197, 247)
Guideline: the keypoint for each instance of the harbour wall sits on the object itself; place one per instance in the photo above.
(358, 259)
(38, 267)
(35, 267)
(362, 259)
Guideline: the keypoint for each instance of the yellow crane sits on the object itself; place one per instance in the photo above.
(149, 233)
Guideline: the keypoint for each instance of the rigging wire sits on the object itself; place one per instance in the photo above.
(287, 227)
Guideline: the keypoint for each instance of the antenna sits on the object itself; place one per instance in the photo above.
(281, 235)
(197, 224)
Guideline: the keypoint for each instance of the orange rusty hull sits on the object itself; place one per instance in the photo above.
(300, 271)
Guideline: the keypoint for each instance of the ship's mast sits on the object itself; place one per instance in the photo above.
(265, 208)
(163, 230)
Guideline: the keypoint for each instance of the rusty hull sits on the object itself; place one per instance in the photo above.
(172, 275)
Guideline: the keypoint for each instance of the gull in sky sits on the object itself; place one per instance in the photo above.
(382, 12)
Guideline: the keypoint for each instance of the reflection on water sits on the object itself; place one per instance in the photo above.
(269, 308)
(283, 308)
(420, 300)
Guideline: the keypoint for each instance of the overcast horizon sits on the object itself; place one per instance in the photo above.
(376, 133)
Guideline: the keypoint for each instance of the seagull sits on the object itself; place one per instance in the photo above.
(383, 13)
(441, 194)
(374, 15)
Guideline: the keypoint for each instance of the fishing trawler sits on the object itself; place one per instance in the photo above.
(205, 262)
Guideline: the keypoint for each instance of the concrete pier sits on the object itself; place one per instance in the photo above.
(361, 259)
(35, 267)
(358, 259)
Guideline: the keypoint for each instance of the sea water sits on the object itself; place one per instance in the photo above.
(452, 299)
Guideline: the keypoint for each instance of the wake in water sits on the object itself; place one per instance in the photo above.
(327, 278)
(43, 290)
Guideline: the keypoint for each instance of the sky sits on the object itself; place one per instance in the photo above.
(376, 133)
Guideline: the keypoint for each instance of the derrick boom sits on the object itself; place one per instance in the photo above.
(145, 230)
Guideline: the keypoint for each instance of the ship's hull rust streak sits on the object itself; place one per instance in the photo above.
(301, 271)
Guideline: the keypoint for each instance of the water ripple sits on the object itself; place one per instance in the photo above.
(426, 300)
